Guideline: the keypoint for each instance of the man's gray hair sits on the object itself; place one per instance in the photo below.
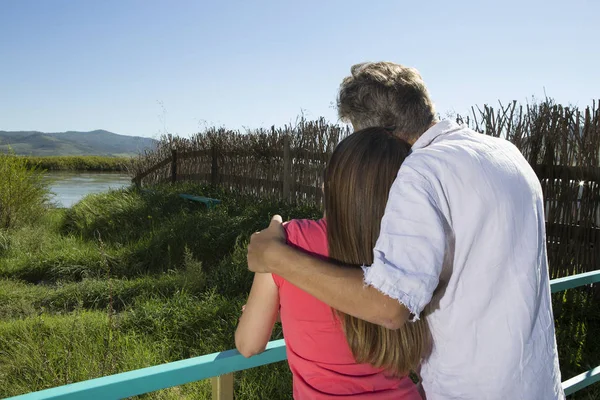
(389, 95)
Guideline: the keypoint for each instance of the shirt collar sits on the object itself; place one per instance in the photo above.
(441, 128)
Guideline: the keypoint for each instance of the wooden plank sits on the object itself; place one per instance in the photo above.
(163, 376)
(214, 168)
(570, 282)
(581, 381)
(572, 232)
(194, 154)
(201, 199)
(567, 172)
(287, 168)
(156, 167)
(173, 166)
(222, 387)
(194, 177)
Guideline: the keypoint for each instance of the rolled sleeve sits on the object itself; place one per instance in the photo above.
(409, 252)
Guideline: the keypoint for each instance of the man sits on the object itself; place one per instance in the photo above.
(465, 220)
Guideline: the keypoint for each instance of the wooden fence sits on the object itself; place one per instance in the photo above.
(561, 143)
(283, 186)
(284, 163)
(563, 146)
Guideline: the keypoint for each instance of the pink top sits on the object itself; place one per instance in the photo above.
(318, 354)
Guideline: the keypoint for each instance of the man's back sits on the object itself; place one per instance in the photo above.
(491, 316)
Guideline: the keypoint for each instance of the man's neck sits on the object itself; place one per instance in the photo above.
(413, 140)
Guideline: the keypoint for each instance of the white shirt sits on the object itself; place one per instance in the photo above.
(466, 211)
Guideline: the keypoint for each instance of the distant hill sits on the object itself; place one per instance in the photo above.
(97, 143)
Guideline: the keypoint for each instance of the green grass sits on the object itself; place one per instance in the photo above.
(129, 279)
(24, 194)
(55, 350)
(80, 163)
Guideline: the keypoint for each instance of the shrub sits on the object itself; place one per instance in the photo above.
(24, 194)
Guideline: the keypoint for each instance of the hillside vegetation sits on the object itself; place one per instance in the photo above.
(80, 163)
(99, 143)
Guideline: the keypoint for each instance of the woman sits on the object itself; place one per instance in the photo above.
(331, 354)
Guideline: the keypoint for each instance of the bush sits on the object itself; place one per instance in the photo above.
(24, 195)
(123, 216)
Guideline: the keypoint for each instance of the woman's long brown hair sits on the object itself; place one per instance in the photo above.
(358, 179)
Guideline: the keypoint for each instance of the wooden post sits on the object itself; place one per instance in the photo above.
(287, 168)
(173, 166)
(214, 170)
(222, 387)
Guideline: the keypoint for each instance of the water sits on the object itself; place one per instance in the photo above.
(70, 187)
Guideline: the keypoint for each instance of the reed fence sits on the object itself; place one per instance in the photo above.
(563, 146)
(284, 163)
(561, 143)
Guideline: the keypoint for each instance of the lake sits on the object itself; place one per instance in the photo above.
(70, 187)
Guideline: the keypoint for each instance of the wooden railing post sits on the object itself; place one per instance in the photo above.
(222, 387)
(173, 166)
(287, 168)
(214, 170)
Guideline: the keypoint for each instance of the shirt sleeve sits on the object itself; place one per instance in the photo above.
(409, 252)
(278, 280)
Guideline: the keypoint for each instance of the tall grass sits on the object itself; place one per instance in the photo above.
(166, 282)
(79, 163)
(51, 350)
(23, 192)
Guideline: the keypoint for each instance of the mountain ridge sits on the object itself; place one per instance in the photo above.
(98, 142)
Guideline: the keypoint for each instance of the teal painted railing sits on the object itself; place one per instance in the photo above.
(220, 367)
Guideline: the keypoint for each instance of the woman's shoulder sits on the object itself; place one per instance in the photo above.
(308, 234)
(315, 225)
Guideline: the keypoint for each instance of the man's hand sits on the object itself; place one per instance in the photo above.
(263, 246)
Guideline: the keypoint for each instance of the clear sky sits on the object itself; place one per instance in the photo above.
(143, 67)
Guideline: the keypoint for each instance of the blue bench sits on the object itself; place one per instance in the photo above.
(201, 199)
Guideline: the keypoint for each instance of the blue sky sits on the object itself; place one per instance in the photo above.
(146, 67)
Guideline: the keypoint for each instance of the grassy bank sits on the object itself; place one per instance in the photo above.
(125, 280)
(80, 163)
(130, 279)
